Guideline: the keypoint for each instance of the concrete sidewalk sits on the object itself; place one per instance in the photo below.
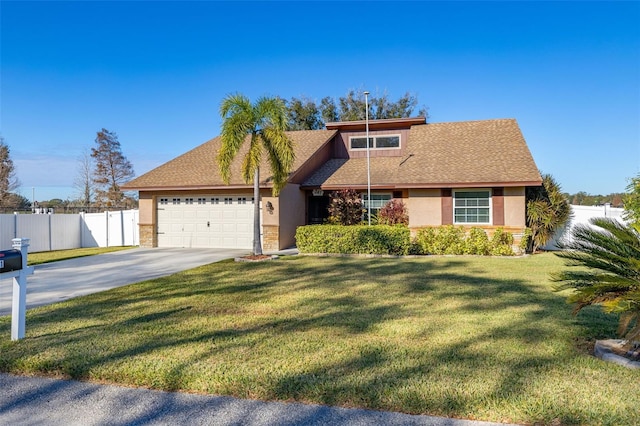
(26, 401)
(53, 282)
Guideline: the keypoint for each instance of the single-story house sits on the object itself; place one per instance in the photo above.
(472, 173)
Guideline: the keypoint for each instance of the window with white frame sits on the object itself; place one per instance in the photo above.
(378, 201)
(472, 206)
(375, 142)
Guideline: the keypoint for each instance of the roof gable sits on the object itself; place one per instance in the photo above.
(198, 168)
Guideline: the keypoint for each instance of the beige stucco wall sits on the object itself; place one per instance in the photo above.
(291, 208)
(514, 206)
(146, 207)
(147, 221)
(424, 207)
(280, 223)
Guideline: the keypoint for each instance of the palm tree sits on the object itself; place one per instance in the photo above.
(608, 257)
(547, 211)
(263, 125)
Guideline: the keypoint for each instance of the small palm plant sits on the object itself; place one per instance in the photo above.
(609, 256)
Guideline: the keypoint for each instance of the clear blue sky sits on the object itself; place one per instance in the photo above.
(155, 73)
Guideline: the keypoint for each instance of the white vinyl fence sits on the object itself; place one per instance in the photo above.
(581, 216)
(66, 231)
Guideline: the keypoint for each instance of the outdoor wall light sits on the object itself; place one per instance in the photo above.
(269, 207)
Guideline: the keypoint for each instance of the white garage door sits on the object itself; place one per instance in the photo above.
(205, 221)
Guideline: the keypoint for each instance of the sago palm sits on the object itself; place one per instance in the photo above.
(263, 126)
(607, 255)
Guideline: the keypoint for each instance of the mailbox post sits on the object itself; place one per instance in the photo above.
(9, 268)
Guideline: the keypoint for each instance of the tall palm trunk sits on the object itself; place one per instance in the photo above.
(257, 244)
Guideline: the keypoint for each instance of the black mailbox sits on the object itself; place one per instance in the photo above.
(10, 260)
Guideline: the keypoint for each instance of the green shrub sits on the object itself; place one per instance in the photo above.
(396, 240)
(453, 240)
(477, 242)
(446, 239)
(450, 240)
(424, 241)
(355, 239)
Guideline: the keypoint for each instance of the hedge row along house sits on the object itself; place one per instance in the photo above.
(471, 173)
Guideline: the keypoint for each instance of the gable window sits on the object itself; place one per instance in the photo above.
(375, 142)
(472, 207)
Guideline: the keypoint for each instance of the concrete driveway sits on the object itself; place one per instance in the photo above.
(53, 282)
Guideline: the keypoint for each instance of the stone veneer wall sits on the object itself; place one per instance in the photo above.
(270, 238)
(148, 236)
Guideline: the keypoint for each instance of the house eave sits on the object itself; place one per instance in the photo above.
(194, 187)
(433, 185)
(376, 124)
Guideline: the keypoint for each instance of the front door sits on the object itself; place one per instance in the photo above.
(318, 209)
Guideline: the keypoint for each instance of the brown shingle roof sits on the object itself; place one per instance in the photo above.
(470, 153)
(198, 168)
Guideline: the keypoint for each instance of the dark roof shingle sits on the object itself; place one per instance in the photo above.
(198, 168)
(469, 153)
(443, 155)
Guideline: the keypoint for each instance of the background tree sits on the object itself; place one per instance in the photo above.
(83, 182)
(605, 261)
(8, 180)
(547, 211)
(112, 169)
(631, 202)
(345, 207)
(304, 114)
(17, 202)
(263, 124)
(584, 199)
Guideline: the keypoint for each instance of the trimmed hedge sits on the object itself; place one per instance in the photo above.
(396, 240)
(356, 239)
(450, 239)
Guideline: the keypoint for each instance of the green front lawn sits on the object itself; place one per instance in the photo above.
(56, 255)
(468, 337)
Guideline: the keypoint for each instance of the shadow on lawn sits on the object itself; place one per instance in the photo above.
(347, 296)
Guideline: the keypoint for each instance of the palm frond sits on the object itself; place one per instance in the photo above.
(238, 117)
(281, 156)
(607, 255)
